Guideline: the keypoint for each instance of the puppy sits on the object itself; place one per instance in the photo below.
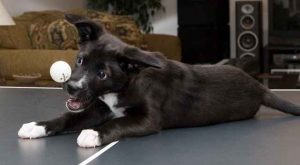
(118, 91)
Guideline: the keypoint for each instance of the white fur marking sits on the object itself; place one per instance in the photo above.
(111, 100)
(31, 130)
(88, 138)
(79, 83)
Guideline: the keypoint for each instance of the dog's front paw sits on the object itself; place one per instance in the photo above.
(31, 130)
(89, 138)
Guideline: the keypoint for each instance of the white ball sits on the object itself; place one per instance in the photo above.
(60, 71)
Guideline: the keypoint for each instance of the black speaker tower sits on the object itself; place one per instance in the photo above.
(249, 30)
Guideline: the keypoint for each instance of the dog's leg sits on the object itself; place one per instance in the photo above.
(68, 122)
(117, 128)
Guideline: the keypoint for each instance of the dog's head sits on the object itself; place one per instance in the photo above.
(104, 64)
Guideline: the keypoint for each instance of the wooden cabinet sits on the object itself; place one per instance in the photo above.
(203, 30)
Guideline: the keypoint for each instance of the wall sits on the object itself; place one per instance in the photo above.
(17, 7)
(166, 23)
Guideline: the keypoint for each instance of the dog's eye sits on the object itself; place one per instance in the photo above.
(102, 75)
(79, 61)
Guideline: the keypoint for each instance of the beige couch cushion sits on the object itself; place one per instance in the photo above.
(46, 30)
(33, 61)
(14, 37)
(123, 27)
(17, 37)
(58, 35)
(169, 45)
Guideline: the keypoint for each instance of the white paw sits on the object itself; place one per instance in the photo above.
(31, 130)
(89, 138)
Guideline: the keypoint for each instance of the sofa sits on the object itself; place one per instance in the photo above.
(40, 38)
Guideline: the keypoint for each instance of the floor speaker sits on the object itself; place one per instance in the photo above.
(248, 29)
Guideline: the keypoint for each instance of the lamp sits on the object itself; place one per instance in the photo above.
(5, 18)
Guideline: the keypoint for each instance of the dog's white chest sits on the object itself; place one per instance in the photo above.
(111, 100)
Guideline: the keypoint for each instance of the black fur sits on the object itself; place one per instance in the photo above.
(158, 93)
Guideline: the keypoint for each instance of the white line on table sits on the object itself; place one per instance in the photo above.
(88, 160)
(55, 88)
(285, 90)
(12, 87)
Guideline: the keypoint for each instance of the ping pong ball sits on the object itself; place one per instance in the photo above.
(60, 71)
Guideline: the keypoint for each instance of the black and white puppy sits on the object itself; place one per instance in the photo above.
(118, 91)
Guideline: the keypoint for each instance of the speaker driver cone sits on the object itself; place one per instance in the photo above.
(247, 22)
(247, 9)
(247, 41)
(247, 55)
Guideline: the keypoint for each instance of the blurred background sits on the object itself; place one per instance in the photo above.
(261, 37)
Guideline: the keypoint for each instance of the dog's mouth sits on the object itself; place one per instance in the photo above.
(78, 104)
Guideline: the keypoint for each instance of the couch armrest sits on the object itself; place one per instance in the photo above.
(25, 61)
(169, 45)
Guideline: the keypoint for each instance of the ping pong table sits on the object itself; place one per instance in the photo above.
(271, 138)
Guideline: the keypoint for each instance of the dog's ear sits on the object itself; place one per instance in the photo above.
(137, 56)
(87, 29)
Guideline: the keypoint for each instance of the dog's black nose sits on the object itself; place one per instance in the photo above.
(72, 90)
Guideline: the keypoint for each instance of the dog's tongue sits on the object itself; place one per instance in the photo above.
(73, 104)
